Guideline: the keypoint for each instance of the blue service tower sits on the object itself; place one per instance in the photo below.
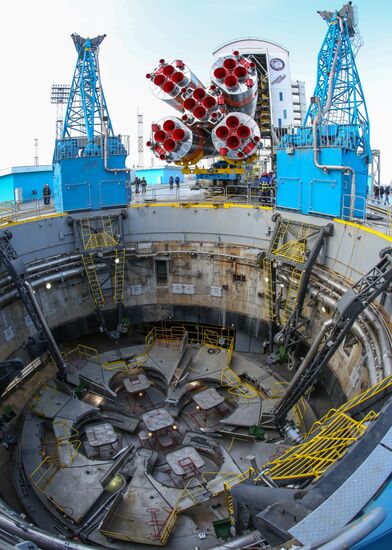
(322, 168)
(89, 160)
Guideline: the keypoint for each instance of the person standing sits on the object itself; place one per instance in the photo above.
(382, 190)
(144, 185)
(46, 194)
(386, 194)
(171, 182)
(264, 187)
(376, 191)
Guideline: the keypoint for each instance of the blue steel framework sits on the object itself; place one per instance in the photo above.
(89, 160)
(322, 167)
(340, 97)
(86, 109)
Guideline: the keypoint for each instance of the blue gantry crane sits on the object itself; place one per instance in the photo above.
(322, 168)
(89, 159)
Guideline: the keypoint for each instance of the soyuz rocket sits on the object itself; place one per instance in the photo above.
(212, 120)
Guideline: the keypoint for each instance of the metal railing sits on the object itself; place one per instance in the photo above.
(75, 147)
(241, 194)
(21, 376)
(83, 353)
(359, 400)
(239, 478)
(26, 210)
(136, 361)
(312, 458)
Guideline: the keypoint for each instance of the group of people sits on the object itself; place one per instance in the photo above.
(140, 183)
(381, 193)
(175, 180)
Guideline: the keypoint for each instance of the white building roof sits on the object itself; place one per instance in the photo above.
(252, 44)
(26, 169)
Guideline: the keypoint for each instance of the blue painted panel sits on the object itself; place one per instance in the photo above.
(288, 193)
(83, 183)
(7, 188)
(303, 187)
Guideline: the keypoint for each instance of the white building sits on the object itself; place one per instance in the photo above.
(282, 102)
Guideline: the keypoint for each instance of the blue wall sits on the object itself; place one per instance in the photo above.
(160, 174)
(303, 187)
(82, 183)
(28, 181)
(7, 188)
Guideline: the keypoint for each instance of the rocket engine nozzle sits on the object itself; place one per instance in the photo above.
(236, 137)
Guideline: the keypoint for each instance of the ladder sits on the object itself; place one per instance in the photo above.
(229, 504)
(119, 277)
(292, 294)
(93, 281)
(269, 299)
(280, 236)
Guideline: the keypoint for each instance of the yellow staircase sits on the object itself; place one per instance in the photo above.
(119, 277)
(93, 281)
(294, 248)
(93, 238)
(292, 295)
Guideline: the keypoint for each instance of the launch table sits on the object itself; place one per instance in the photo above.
(157, 419)
(208, 399)
(185, 461)
(137, 384)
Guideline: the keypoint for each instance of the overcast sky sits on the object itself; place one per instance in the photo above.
(36, 51)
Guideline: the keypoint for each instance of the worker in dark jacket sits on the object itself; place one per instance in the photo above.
(264, 188)
(46, 193)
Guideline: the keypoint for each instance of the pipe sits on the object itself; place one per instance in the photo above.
(320, 113)
(357, 330)
(240, 542)
(357, 530)
(46, 541)
(382, 334)
(365, 333)
(306, 362)
(54, 349)
(59, 276)
(104, 130)
(43, 265)
(105, 154)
